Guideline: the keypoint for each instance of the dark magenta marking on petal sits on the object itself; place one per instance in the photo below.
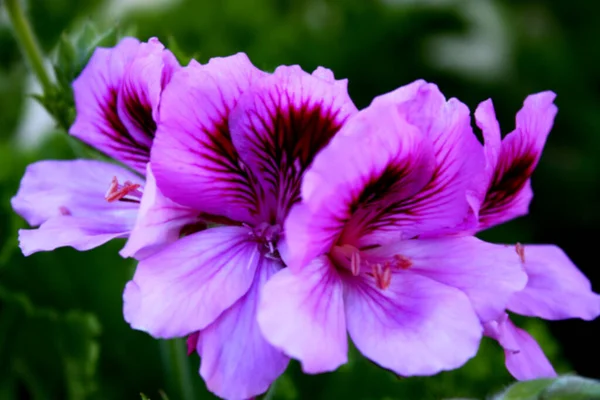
(508, 182)
(121, 140)
(140, 111)
(225, 161)
(289, 138)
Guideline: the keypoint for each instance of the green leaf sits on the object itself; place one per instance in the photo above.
(181, 55)
(68, 343)
(528, 390)
(561, 388)
(572, 388)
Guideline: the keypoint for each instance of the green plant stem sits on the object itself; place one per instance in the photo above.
(174, 354)
(28, 43)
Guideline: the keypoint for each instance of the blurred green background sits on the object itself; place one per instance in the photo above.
(62, 335)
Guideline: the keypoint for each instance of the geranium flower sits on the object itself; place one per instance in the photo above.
(360, 253)
(232, 143)
(556, 289)
(116, 101)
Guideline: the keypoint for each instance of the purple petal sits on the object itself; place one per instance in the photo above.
(442, 205)
(194, 160)
(416, 326)
(303, 314)
(236, 361)
(188, 284)
(67, 198)
(159, 221)
(488, 274)
(280, 124)
(485, 117)
(524, 357)
(377, 159)
(555, 289)
(139, 94)
(509, 191)
(80, 233)
(115, 106)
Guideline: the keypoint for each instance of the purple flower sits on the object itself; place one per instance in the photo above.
(232, 143)
(556, 289)
(359, 248)
(116, 99)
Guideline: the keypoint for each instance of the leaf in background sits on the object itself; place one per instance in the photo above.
(561, 388)
(68, 343)
(183, 57)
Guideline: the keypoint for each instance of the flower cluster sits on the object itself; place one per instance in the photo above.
(271, 218)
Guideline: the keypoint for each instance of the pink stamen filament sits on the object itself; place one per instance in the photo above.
(117, 192)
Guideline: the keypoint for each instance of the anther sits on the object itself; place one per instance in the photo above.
(402, 262)
(382, 275)
(117, 192)
(520, 249)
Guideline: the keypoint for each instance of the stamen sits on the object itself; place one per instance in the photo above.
(520, 249)
(402, 262)
(382, 275)
(119, 192)
(355, 263)
(268, 235)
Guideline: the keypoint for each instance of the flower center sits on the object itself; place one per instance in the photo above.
(126, 192)
(347, 257)
(268, 235)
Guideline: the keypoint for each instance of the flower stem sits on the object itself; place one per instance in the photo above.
(178, 374)
(28, 43)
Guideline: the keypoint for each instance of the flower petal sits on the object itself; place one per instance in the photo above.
(303, 314)
(193, 159)
(488, 274)
(278, 126)
(555, 289)
(376, 160)
(80, 233)
(139, 93)
(416, 326)
(509, 189)
(159, 221)
(67, 198)
(442, 205)
(485, 118)
(236, 361)
(95, 91)
(524, 357)
(188, 284)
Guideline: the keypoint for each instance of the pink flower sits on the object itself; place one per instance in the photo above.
(360, 249)
(233, 144)
(116, 99)
(556, 289)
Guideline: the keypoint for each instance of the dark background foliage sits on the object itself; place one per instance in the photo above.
(62, 335)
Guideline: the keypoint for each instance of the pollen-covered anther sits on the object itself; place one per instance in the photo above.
(383, 275)
(402, 262)
(520, 249)
(126, 192)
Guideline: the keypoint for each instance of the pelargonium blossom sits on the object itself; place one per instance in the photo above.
(85, 203)
(232, 143)
(556, 289)
(364, 251)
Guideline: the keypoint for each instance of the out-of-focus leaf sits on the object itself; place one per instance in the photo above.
(183, 57)
(68, 343)
(561, 388)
